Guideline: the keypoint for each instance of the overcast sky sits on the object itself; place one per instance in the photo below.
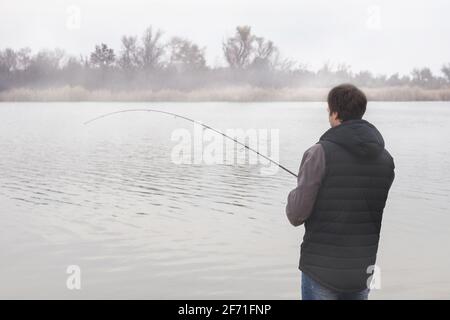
(381, 36)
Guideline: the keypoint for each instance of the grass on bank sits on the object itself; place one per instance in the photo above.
(233, 94)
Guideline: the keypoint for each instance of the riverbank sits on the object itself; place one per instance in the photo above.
(231, 94)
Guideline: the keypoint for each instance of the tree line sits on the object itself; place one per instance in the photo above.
(152, 62)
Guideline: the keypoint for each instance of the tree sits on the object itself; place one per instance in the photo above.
(343, 72)
(396, 80)
(49, 59)
(129, 56)
(11, 60)
(152, 50)
(45, 64)
(265, 54)
(238, 49)
(8, 60)
(185, 55)
(103, 57)
(364, 78)
(23, 58)
(446, 71)
(245, 50)
(422, 77)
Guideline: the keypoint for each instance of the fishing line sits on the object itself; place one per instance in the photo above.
(196, 122)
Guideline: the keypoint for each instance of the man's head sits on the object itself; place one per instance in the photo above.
(346, 102)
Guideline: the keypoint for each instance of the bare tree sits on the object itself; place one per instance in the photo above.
(264, 49)
(265, 54)
(152, 49)
(238, 49)
(129, 55)
(149, 63)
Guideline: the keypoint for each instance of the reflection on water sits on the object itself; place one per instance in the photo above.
(108, 198)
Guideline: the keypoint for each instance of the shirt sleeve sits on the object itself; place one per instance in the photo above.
(301, 200)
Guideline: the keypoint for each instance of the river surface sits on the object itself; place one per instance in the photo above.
(109, 198)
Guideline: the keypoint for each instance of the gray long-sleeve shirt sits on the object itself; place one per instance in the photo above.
(301, 200)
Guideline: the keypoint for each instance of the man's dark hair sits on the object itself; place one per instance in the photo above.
(348, 101)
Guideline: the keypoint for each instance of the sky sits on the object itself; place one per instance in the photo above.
(384, 37)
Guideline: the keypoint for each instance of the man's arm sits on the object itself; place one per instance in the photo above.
(301, 200)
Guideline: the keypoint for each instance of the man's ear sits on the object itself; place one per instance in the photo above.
(334, 115)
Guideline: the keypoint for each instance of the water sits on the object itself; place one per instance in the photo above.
(108, 198)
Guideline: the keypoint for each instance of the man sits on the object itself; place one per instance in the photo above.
(343, 184)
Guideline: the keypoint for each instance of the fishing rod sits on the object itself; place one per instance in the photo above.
(196, 122)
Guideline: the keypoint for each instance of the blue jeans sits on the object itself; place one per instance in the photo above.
(312, 290)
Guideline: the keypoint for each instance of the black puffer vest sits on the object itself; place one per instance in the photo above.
(342, 233)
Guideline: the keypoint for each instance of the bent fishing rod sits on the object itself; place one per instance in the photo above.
(196, 122)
